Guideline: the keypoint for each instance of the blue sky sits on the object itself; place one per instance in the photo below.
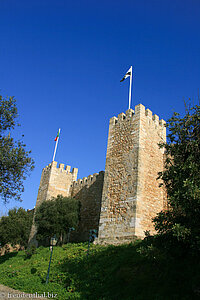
(63, 61)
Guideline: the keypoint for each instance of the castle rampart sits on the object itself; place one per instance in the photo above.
(76, 186)
(89, 192)
(121, 203)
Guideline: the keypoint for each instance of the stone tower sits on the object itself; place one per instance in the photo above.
(54, 181)
(131, 194)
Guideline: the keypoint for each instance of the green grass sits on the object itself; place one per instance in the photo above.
(111, 272)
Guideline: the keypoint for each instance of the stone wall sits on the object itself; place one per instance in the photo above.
(150, 197)
(131, 193)
(60, 180)
(89, 191)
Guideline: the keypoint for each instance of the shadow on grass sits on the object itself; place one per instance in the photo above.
(7, 256)
(123, 272)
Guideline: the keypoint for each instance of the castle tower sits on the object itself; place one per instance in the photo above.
(131, 194)
(54, 181)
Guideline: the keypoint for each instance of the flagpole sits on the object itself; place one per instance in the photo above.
(56, 145)
(129, 104)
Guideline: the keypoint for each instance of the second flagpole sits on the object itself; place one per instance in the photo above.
(54, 154)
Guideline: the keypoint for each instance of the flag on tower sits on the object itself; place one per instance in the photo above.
(56, 140)
(57, 135)
(129, 73)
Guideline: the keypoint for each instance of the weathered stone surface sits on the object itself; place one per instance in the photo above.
(8, 248)
(131, 193)
(89, 191)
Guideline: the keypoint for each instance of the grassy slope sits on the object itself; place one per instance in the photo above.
(113, 272)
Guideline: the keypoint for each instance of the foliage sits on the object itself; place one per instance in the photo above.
(30, 251)
(15, 162)
(56, 216)
(182, 180)
(15, 228)
(110, 272)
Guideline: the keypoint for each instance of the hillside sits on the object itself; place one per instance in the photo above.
(112, 272)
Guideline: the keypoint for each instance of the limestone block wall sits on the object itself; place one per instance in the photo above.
(60, 180)
(117, 219)
(54, 181)
(89, 192)
(150, 197)
(131, 195)
(44, 184)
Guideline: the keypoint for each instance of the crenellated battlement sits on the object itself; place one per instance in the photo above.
(86, 180)
(47, 168)
(138, 113)
(60, 168)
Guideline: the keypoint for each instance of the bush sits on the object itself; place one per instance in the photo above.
(15, 228)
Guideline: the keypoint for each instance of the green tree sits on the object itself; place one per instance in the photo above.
(15, 228)
(15, 162)
(181, 222)
(56, 216)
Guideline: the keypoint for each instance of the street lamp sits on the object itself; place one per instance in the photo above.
(53, 242)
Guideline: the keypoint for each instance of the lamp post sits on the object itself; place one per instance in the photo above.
(68, 236)
(53, 242)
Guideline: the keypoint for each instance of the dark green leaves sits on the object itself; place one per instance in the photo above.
(182, 178)
(15, 162)
(56, 216)
(15, 228)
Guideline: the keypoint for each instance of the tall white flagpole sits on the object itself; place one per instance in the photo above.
(129, 104)
(56, 145)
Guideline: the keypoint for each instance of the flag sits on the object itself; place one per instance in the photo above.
(57, 135)
(129, 73)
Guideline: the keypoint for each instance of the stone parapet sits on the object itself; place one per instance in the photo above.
(139, 112)
(80, 183)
